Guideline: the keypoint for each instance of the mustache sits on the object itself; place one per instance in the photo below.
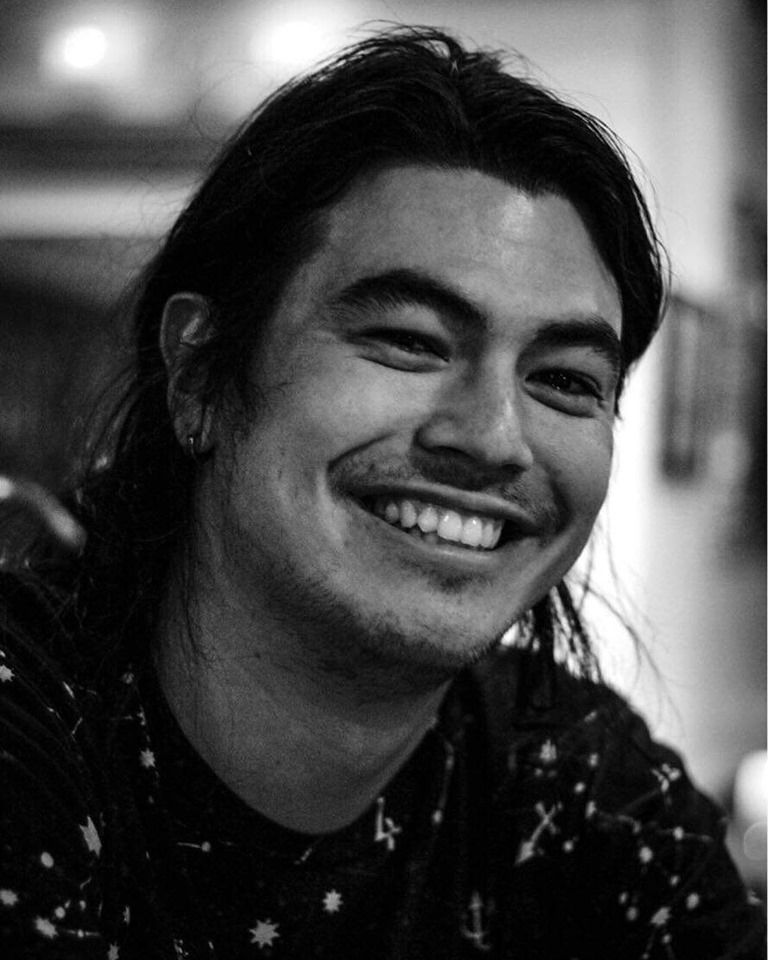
(541, 504)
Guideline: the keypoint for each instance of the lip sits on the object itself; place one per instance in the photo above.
(483, 505)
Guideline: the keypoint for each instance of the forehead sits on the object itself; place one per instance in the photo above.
(514, 255)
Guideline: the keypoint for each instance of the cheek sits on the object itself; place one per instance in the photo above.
(591, 477)
(580, 468)
(318, 414)
(343, 403)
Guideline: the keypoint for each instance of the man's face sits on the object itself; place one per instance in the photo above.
(432, 439)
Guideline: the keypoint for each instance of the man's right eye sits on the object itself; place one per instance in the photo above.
(410, 342)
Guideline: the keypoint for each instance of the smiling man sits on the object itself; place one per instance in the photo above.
(270, 710)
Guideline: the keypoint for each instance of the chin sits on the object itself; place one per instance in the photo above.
(408, 658)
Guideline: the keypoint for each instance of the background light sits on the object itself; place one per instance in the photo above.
(106, 52)
(76, 52)
(291, 45)
(83, 48)
(750, 789)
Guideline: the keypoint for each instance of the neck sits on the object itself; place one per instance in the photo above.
(307, 747)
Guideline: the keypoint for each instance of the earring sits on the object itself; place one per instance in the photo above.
(192, 449)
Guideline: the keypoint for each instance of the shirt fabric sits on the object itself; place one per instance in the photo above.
(557, 830)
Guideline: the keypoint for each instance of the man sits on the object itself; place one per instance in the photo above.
(270, 712)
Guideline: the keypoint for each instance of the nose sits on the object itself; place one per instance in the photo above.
(481, 416)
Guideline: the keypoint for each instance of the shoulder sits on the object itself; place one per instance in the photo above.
(575, 729)
(52, 822)
(613, 813)
(43, 685)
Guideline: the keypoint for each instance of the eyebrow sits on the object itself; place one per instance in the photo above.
(591, 331)
(408, 287)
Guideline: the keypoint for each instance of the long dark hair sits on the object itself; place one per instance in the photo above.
(404, 96)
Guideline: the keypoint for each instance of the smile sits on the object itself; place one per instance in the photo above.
(435, 523)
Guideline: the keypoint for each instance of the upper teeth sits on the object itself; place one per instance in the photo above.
(451, 525)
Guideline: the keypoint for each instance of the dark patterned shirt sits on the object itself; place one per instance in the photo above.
(557, 830)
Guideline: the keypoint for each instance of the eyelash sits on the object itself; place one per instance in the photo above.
(410, 342)
(585, 385)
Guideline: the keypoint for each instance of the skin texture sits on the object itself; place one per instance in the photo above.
(451, 340)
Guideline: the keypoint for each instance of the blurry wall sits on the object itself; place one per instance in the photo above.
(108, 114)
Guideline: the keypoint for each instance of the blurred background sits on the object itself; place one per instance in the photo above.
(109, 113)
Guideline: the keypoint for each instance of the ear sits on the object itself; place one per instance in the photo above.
(184, 327)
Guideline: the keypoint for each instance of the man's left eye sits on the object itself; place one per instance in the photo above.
(567, 381)
(566, 390)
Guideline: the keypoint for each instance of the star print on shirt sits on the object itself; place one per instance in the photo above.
(548, 752)
(147, 758)
(661, 916)
(91, 837)
(530, 848)
(332, 901)
(386, 828)
(45, 927)
(264, 933)
(6, 673)
(473, 927)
